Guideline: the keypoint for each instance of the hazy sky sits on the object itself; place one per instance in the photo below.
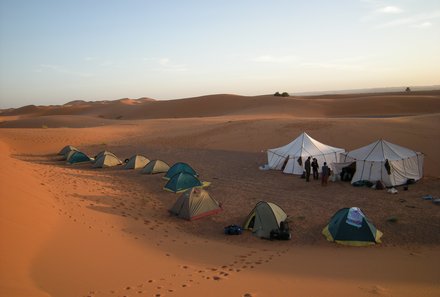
(52, 52)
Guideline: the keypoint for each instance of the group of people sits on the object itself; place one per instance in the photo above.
(310, 165)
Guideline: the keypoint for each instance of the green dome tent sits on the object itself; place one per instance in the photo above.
(265, 217)
(68, 155)
(108, 160)
(136, 162)
(194, 204)
(178, 168)
(65, 150)
(78, 157)
(349, 226)
(183, 181)
(156, 166)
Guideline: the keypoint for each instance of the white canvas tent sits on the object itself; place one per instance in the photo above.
(291, 157)
(372, 165)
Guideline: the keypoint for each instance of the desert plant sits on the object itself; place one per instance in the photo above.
(285, 94)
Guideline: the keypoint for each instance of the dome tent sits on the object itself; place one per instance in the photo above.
(103, 153)
(78, 157)
(382, 160)
(156, 166)
(182, 182)
(349, 226)
(291, 157)
(178, 168)
(195, 203)
(108, 160)
(65, 150)
(136, 162)
(265, 217)
(68, 155)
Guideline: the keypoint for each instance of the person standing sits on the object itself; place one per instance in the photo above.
(307, 168)
(325, 174)
(315, 167)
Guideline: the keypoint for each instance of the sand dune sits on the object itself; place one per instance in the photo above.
(220, 105)
(79, 231)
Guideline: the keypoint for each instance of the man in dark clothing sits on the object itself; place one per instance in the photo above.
(307, 168)
(315, 167)
(325, 174)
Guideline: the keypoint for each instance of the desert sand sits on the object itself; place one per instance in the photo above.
(72, 230)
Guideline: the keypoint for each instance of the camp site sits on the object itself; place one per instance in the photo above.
(221, 200)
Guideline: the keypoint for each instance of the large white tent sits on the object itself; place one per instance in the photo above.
(291, 157)
(381, 160)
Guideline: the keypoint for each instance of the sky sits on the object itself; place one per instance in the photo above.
(52, 52)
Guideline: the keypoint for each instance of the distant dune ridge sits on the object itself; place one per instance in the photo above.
(356, 105)
(75, 230)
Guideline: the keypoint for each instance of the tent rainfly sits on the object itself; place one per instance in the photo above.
(69, 154)
(178, 168)
(136, 162)
(265, 217)
(156, 166)
(103, 153)
(65, 150)
(182, 182)
(108, 160)
(382, 160)
(195, 203)
(78, 157)
(349, 226)
(291, 157)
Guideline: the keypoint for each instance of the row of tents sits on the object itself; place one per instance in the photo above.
(194, 203)
(381, 160)
(180, 177)
(105, 158)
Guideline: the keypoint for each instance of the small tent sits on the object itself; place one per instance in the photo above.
(156, 166)
(291, 157)
(136, 162)
(183, 181)
(108, 160)
(78, 157)
(67, 149)
(195, 203)
(178, 168)
(68, 155)
(103, 153)
(349, 226)
(265, 217)
(382, 160)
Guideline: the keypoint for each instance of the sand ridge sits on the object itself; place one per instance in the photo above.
(356, 105)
